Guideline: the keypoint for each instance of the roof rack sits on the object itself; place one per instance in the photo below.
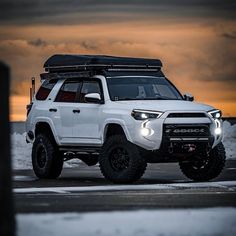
(63, 75)
(68, 63)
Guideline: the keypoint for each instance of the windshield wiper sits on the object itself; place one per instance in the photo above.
(128, 99)
(123, 99)
(156, 98)
(160, 98)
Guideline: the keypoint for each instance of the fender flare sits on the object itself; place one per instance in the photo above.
(117, 122)
(50, 123)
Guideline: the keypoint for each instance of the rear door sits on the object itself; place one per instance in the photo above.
(65, 104)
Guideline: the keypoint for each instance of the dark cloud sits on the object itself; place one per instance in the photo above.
(231, 35)
(86, 11)
(37, 42)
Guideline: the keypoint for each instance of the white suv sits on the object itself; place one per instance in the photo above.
(122, 113)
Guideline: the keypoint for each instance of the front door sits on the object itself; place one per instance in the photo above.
(87, 122)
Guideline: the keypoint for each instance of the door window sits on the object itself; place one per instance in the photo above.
(69, 91)
(89, 87)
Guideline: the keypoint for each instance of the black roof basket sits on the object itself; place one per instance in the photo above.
(69, 63)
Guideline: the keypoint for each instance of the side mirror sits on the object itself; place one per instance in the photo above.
(188, 97)
(93, 97)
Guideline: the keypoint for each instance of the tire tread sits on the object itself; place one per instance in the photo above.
(217, 163)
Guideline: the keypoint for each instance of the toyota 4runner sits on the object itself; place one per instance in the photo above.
(121, 113)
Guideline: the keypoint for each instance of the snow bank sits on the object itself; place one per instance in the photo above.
(21, 151)
(229, 139)
(186, 222)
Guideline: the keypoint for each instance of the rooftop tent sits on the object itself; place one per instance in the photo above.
(83, 62)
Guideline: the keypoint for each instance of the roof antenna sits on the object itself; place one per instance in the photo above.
(32, 89)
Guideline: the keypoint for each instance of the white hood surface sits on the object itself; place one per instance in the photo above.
(166, 105)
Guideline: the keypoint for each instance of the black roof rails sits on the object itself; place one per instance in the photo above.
(65, 63)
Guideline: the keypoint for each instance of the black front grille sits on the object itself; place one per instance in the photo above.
(186, 115)
(185, 140)
(179, 130)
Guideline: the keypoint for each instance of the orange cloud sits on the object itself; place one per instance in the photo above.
(18, 108)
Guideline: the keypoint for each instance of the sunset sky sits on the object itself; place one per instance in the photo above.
(196, 41)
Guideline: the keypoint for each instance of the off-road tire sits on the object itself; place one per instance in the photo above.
(49, 164)
(136, 164)
(213, 167)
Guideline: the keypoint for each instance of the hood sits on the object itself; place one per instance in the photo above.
(166, 105)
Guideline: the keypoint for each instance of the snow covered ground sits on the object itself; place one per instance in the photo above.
(191, 222)
(21, 151)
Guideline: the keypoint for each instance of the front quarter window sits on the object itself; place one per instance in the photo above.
(89, 87)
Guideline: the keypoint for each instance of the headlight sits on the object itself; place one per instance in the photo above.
(216, 114)
(145, 114)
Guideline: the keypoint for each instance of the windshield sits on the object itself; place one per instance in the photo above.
(141, 88)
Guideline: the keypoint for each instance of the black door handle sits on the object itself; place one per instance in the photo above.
(53, 110)
(76, 111)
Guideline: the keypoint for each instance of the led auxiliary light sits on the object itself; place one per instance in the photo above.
(218, 131)
(145, 132)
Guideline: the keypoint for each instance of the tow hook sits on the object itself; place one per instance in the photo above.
(189, 147)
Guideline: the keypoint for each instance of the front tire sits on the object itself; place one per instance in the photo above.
(205, 168)
(120, 161)
(46, 160)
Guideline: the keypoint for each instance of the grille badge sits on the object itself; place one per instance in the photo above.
(191, 130)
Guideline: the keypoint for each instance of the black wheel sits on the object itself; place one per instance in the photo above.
(202, 168)
(46, 160)
(120, 161)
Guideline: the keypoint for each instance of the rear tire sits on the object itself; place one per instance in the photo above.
(205, 168)
(120, 161)
(46, 159)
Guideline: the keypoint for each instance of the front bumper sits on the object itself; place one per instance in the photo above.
(159, 136)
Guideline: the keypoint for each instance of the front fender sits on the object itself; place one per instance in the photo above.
(120, 122)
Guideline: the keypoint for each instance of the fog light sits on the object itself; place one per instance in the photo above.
(145, 132)
(218, 131)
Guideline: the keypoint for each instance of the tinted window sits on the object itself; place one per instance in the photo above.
(68, 91)
(141, 88)
(89, 87)
(45, 89)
